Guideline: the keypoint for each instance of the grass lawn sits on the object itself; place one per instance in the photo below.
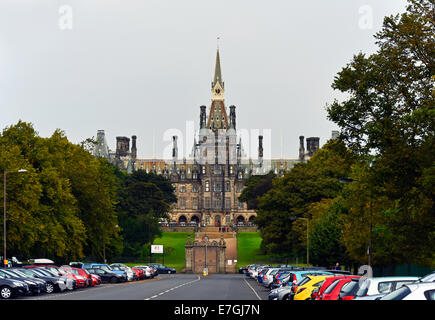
(173, 244)
(248, 251)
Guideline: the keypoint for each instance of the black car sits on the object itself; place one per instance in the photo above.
(162, 269)
(108, 276)
(53, 283)
(17, 272)
(10, 288)
(34, 284)
(243, 270)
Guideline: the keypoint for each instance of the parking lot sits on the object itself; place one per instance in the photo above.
(167, 287)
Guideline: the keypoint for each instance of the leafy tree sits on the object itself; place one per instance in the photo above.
(390, 114)
(255, 187)
(144, 198)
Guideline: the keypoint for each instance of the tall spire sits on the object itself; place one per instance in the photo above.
(217, 69)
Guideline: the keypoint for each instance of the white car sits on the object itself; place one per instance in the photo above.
(382, 285)
(413, 291)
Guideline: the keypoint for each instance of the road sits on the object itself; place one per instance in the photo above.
(169, 287)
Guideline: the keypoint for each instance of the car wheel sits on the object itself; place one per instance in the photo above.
(49, 288)
(285, 297)
(113, 280)
(6, 292)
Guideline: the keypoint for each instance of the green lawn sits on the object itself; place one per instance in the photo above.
(173, 244)
(248, 249)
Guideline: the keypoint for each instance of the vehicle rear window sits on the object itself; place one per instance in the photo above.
(385, 286)
(349, 288)
(332, 286)
(398, 294)
(303, 281)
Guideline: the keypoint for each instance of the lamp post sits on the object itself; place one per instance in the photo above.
(4, 211)
(308, 243)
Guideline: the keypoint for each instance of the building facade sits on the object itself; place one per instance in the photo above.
(208, 184)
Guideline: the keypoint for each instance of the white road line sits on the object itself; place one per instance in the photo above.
(252, 289)
(161, 293)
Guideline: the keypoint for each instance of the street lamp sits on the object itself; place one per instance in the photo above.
(4, 211)
(308, 243)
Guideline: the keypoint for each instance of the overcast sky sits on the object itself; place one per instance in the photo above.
(134, 67)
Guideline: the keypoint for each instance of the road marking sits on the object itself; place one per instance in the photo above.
(252, 289)
(161, 293)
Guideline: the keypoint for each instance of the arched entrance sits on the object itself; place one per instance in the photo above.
(182, 219)
(217, 220)
(194, 219)
(240, 219)
(251, 219)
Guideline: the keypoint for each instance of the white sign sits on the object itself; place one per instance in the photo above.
(230, 262)
(156, 248)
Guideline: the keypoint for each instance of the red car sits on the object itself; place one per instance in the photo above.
(90, 281)
(332, 289)
(140, 273)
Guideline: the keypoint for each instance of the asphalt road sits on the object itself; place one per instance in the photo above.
(169, 287)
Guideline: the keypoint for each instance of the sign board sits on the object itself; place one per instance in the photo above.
(156, 248)
(230, 262)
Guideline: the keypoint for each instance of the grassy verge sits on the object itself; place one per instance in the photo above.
(173, 244)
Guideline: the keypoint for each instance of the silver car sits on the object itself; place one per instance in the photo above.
(413, 291)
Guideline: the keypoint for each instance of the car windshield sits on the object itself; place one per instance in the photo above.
(4, 274)
(398, 294)
(40, 272)
(27, 272)
(74, 271)
(50, 272)
(19, 273)
(105, 268)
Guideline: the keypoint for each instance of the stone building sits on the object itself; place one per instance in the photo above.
(208, 184)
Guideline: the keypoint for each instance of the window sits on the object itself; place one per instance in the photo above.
(182, 188)
(231, 170)
(217, 187)
(385, 287)
(217, 204)
(207, 203)
(240, 205)
(227, 186)
(195, 203)
(203, 168)
(332, 286)
(182, 203)
(398, 294)
(195, 188)
(239, 187)
(227, 203)
(207, 186)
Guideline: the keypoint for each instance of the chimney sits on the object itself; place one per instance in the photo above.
(301, 148)
(260, 150)
(202, 117)
(122, 146)
(233, 117)
(133, 148)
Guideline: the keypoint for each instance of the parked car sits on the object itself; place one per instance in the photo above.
(428, 278)
(107, 275)
(84, 278)
(333, 288)
(105, 267)
(379, 285)
(162, 269)
(57, 271)
(53, 283)
(35, 286)
(131, 275)
(307, 287)
(148, 271)
(243, 270)
(11, 288)
(413, 291)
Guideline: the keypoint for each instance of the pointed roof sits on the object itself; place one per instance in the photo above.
(217, 71)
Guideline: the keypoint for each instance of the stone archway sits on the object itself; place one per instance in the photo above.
(251, 219)
(240, 218)
(182, 218)
(195, 218)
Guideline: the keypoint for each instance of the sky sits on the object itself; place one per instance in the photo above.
(144, 67)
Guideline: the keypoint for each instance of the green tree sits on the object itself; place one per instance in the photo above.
(390, 114)
(255, 187)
